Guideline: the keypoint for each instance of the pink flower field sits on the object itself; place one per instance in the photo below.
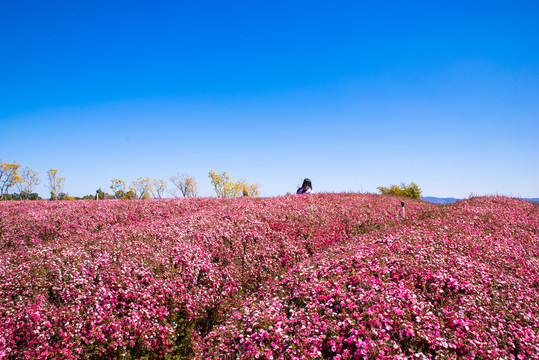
(324, 276)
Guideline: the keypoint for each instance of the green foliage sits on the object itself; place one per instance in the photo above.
(146, 196)
(101, 195)
(125, 195)
(64, 196)
(411, 191)
(120, 190)
(34, 196)
(23, 196)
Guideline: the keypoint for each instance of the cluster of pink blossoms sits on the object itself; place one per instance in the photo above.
(325, 276)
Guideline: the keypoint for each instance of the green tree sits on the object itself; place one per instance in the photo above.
(119, 188)
(411, 191)
(23, 196)
(101, 195)
(64, 196)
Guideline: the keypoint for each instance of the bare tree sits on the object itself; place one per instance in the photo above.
(186, 184)
(56, 183)
(159, 187)
(29, 182)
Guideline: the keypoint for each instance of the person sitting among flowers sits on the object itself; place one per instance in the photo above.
(306, 188)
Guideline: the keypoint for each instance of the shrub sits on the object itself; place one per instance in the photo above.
(412, 191)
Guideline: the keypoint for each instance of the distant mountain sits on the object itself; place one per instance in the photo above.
(450, 200)
(439, 201)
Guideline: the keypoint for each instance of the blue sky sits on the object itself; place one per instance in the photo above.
(353, 94)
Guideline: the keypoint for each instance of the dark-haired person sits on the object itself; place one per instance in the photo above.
(306, 188)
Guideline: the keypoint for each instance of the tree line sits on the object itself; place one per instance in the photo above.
(19, 183)
(24, 181)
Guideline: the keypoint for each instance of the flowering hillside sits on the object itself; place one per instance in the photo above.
(328, 276)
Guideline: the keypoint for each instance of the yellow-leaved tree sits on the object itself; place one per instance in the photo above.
(249, 189)
(121, 191)
(159, 187)
(117, 185)
(224, 188)
(9, 176)
(412, 191)
(142, 187)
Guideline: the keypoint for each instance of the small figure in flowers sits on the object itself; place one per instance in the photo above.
(306, 188)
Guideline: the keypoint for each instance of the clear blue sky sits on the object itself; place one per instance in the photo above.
(353, 94)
